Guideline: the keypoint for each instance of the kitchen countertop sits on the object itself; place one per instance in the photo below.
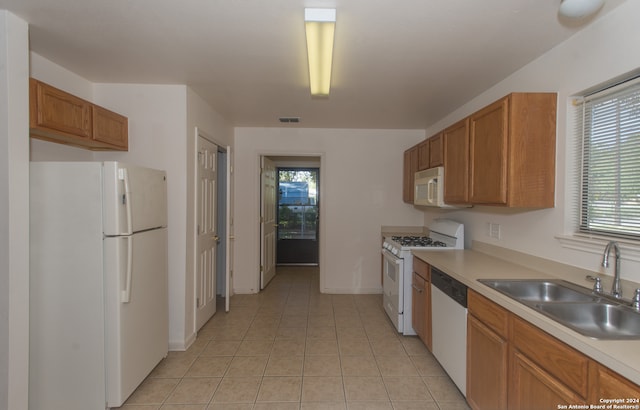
(490, 262)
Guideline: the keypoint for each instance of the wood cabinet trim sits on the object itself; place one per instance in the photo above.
(489, 313)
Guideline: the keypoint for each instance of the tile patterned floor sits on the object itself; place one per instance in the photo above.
(291, 347)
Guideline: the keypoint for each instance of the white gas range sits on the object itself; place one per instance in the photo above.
(444, 234)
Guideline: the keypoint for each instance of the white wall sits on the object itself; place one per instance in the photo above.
(601, 51)
(14, 212)
(360, 190)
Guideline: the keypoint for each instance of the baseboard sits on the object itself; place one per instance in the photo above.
(182, 345)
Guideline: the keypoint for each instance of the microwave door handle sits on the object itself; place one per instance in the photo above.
(430, 190)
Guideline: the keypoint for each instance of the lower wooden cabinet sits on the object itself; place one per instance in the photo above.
(486, 367)
(531, 388)
(512, 364)
(487, 353)
(421, 302)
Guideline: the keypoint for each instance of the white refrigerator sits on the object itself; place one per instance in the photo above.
(98, 282)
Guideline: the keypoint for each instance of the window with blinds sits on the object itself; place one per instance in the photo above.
(609, 124)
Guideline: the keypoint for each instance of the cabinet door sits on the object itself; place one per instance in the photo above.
(423, 155)
(488, 144)
(531, 388)
(56, 110)
(487, 356)
(417, 306)
(435, 151)
(410, 166)
(456, 163)
(110, 128)
(605, 383)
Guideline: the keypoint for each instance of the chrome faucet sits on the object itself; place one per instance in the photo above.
(616, 291)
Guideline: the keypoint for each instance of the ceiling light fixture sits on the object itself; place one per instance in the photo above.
(579, 9)
(320, 27)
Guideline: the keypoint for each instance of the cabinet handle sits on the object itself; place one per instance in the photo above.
(417, 288)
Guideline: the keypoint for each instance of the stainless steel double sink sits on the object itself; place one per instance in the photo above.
(591, 314)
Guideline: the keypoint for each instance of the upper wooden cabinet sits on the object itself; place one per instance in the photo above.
(423, 155)
(456, 163)
(408, 173)
(58, 116)
(512, 151)
(435, 151)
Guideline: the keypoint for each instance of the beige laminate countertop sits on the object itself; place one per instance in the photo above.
(467, 266)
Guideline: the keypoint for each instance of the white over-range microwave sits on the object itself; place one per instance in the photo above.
(429, 188)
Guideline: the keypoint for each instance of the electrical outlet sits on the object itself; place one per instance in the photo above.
(494, 230)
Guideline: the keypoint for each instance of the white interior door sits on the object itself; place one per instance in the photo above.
(268, 222)
(206, 231)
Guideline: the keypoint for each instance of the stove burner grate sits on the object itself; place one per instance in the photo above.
(418, 241)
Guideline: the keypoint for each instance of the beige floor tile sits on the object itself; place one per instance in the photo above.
(359, 366)
(288, 347)
(443, 389)
(316, 389)
(417, 405)
(284, 366)
(388, 346)
(183, 407)
(322, 365)
(321, 320)
(365, 389)
(321, 332)
(277, 406)
(261, 333)
(352, 321)
(354, 347)
(406, 388)
(194, 390)
(230, 406)
(453, 405)
(139, 407)
(153, 391)
(214, 366)
(172, 367)
(247, 366)
(237, 390)
(231, 333)
(294, 321)
(428, 366)
(254, 347)
(276, 388)
(414, 346)
(291, 333)
(221, 348)
(321, 346)
(339, 405)
(378, 331)
(351, 333)
(369, 405)
(396, 366)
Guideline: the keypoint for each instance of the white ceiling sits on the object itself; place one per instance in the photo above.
(397, 64)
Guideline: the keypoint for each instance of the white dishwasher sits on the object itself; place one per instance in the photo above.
(449, 326)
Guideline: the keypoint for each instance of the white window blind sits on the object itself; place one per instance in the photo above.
(609, 121)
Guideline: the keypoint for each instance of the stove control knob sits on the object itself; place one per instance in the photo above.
(394, 251)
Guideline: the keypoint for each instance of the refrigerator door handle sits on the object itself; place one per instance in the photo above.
(123, 174)
(126, 293)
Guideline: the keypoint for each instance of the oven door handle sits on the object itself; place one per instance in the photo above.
(391, 257)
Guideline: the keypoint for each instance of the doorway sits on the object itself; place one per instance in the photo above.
(297, 216)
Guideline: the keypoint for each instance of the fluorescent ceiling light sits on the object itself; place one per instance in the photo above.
(320, 27)
(579, 9)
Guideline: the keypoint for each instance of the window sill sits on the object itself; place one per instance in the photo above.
(629, 250)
